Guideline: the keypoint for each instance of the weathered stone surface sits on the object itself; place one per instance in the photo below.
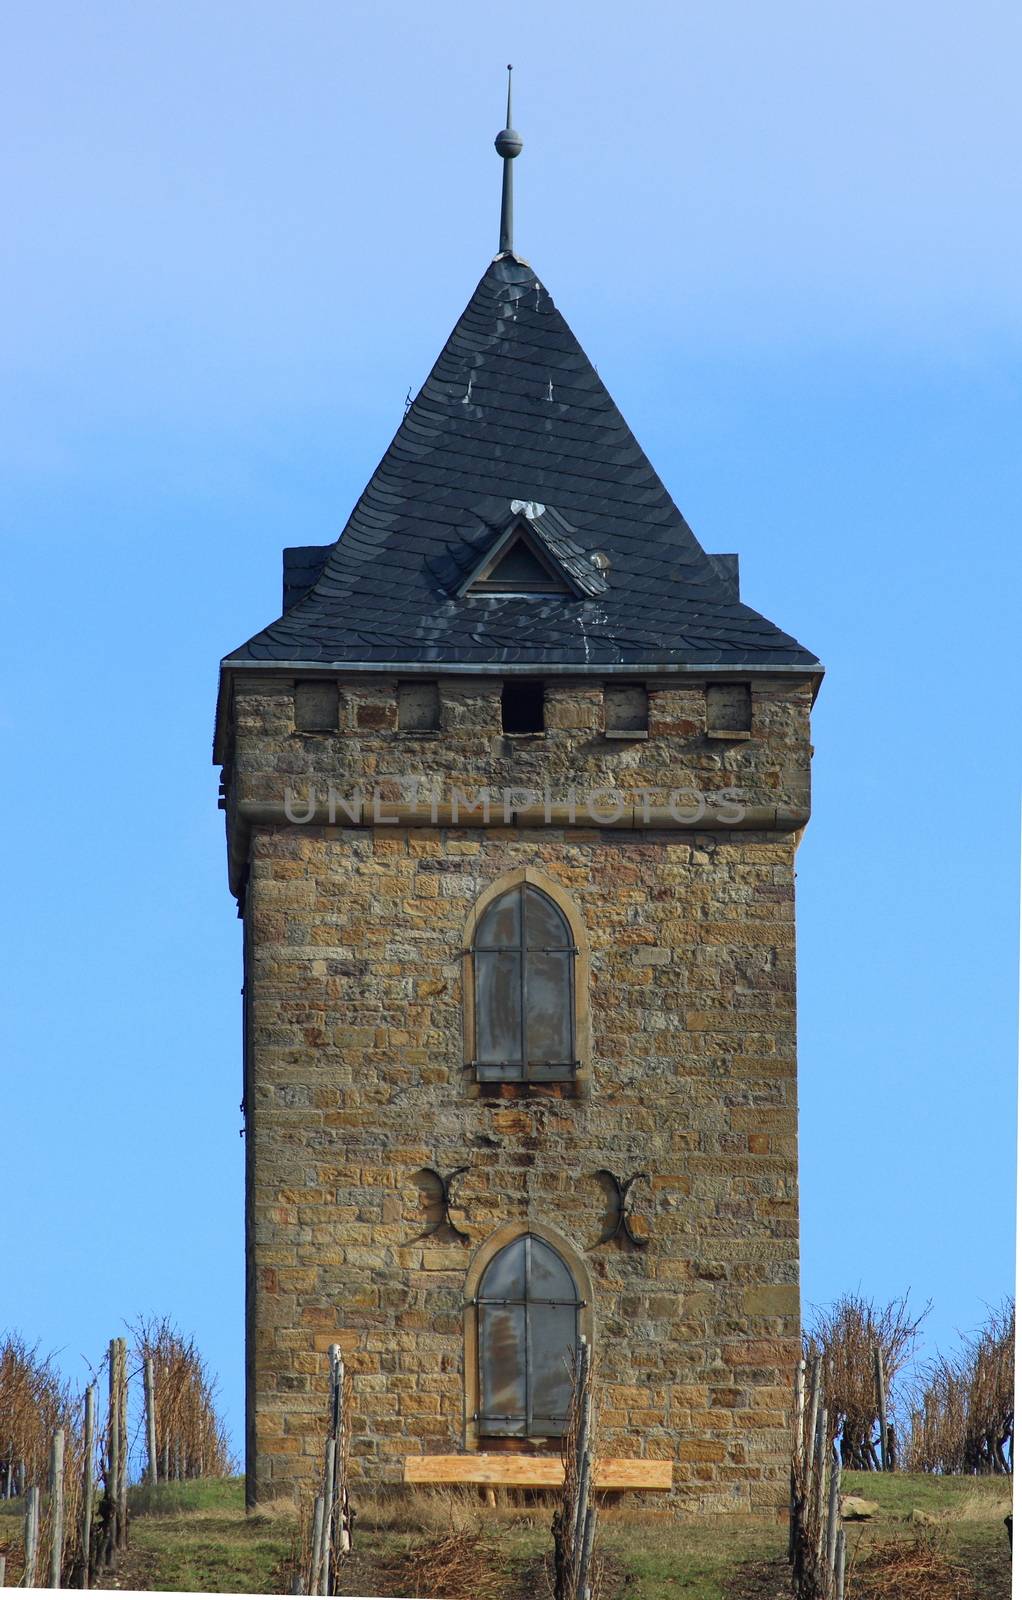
(855, 1509)
(356, 1081)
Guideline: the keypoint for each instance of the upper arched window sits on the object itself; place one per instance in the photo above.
(528, 1308)
(523, 961)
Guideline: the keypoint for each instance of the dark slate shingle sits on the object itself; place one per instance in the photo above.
(514, 410)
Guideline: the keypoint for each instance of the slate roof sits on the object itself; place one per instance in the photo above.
(514, 410)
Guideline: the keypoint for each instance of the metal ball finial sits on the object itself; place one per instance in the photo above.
(508, 144)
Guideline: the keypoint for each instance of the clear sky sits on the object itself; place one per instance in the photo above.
(235, 235)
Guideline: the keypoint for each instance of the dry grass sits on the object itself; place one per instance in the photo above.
(982, 1507)
(921, 1570)
(452, 1508)
(451, 1566)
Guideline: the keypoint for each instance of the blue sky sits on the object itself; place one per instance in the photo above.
(235, 236)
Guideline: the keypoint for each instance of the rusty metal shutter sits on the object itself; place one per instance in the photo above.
(528, 1306)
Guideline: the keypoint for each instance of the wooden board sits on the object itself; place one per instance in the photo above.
(533, 1472)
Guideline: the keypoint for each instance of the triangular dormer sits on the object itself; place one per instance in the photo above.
(532, 555)
(517, 567)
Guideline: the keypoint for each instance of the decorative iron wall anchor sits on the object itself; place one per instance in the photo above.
(621, 1222)
(444, 1201)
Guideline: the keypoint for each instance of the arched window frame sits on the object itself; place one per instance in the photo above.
(474, 1439)
(581, 1083)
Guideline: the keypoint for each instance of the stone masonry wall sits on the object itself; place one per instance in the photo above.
(356, 1081)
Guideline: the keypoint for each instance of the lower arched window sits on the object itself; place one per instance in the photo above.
(527, 1310)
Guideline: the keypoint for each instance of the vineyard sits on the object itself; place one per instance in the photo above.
(900, 1488)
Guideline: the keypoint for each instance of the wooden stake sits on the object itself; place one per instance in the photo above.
(323, 1586)
(586, 1555)
(583, 1460)
(317, 1546)
(881, 1388)
(3, 1571)
(56, 1507)
(113, 1464)
(797, 1456)
(814, 1411)
(87, 1484)
(123, 1430)
(839, 1574)
(833, 1511)
(342, 1533)
(31, 1537)
(150, 1419)
(821, 1478)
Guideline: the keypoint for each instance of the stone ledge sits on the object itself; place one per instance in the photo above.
(633, 818)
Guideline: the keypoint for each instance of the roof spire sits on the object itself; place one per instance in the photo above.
(508, 144)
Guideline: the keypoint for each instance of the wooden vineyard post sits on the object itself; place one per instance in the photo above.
(56, 1507)
(797, 1454)
(3, 1571)
(150, 1419)
(122, 1520)
(575, 1520)
(89, 1442)
(331, 1530)
(316, 1563)
(31, 1537)
(821, 1481)
(833, 1511)
(330, 1459)
(113, 1459)
(881, 1388)
(340, 1508)
(115, 1499)
(815, 1383)
(583, 1470)
(816, 1541)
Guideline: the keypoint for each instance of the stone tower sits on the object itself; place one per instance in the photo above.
(513, 791)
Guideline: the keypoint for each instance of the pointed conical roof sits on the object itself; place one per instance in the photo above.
(514, 410)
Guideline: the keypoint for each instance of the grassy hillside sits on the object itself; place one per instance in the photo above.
(197, 1537)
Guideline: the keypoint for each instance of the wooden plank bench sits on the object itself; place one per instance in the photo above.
(532, 1472)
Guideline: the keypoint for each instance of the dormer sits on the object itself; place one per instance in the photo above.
(534, 554)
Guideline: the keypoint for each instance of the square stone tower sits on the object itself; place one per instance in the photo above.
(513, 791)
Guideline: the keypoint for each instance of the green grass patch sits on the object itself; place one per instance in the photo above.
(197, 1537)
(197, 1495)
(696, 1560)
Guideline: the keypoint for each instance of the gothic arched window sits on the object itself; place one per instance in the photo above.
(527, 1320)
(523, 974)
